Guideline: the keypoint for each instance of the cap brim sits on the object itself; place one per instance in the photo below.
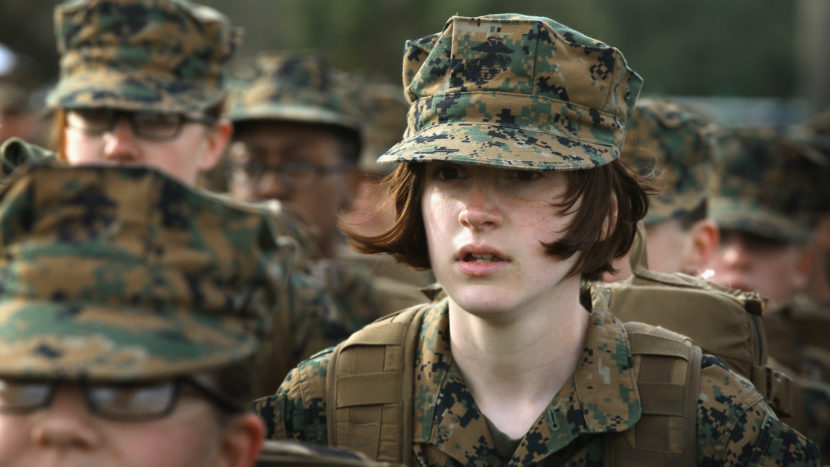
(132, 91)
(672, 205)
(70, 340)
(749, 217)
(292, 113)
(499, 146)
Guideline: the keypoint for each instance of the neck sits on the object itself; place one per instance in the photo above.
(516, 362)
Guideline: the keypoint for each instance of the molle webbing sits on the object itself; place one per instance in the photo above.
(668, 380)
(725, 323)
(369, 394)
(369, 388)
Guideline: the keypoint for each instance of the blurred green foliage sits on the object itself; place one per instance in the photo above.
(702, 47)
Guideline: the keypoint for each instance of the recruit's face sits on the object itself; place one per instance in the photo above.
(194, 148)
(299, 164)
(752, 263)
(67, 434)
(485, 227)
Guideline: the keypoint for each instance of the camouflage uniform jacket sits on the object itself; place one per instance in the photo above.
(734, 427)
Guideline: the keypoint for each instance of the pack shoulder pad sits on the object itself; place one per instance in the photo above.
(668, 380)
(369, 387)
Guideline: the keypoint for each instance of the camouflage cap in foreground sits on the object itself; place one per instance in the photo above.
(153, 55)
(766, 183)
(675, 147)
(126, 273)
(514, 91)
(296, 87)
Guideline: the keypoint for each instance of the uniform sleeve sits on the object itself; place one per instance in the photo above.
(317, 322)
(298, 409)
(736, 427)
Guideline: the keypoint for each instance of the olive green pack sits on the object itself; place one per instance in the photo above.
(724, 322)
(370, 381)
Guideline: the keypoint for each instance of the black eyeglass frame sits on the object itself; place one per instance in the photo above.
(255, 176)
(130, 115)
(221, 400)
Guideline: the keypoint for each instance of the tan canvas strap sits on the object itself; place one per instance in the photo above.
(369, 388)
(666, 434)
(777, 387)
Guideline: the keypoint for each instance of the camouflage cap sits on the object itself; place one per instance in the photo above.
(296, 87)
(126, 273)
(514, 91)
(674, 147)
(153, 55)
(765, 184)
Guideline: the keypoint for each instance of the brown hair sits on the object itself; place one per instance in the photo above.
(589, 231)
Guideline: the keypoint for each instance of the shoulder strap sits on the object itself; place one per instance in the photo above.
(668, 380)
(369, 388)
(283, 453)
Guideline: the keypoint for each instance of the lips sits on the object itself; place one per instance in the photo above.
(480, 254)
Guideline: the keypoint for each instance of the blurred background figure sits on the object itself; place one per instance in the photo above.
(818, 283)
(761, 202)
(20, 109)
(671, 147)
(297, 139)
(383, 109)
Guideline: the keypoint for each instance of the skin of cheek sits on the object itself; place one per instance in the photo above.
(181, 157)
(523, 224)
(182, 439)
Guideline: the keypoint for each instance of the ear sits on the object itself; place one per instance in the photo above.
(241, 440)
(704, 237)
(217, 140)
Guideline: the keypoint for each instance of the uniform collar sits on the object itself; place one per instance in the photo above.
(600, 397)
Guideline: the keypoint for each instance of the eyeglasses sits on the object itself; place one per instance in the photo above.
(137, 401)
(153, 126)
(293, 173)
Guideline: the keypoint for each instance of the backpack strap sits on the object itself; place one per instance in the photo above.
(668, 380)
(369, 388)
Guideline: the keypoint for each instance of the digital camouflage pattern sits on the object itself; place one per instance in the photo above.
(734, 425)
(296, 87)
(305, 317)
(766, 183)
(514, 91)
(673, 148)
(150, 55)
(126, 273)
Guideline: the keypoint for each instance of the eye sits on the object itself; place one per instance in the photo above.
(525, 175)
(447, 172)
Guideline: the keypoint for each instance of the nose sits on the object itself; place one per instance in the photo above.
(735, 255)
(480, 211)
(121, 143)
(65, 424)
(272, 186)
